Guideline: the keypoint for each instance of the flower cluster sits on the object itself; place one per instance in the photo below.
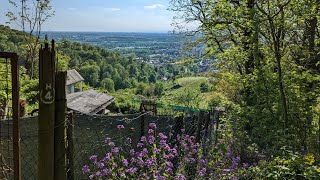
(156, 156)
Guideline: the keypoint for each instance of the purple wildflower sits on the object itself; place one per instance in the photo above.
(107, 157)
(99, 174)
(140, 145)
(120, 127)
(149, 162)
(114, 165)
(202, 172)
(168, 170)
(160, 177)
(143, 139)
(156, 150)
(246, 165)
(180, 177)
(162, 136)
(125, 162)
(100, 164)
(115, 150)
(152, 126)
(85, 169)
(94, 158)
(106, 172)
(111, 144)
(132, 152)
(169, 164)
(129, 140)
(131, 170)
(174, 151)
(151, 139)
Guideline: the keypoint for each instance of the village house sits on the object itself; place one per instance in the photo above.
(87, 102)
(74, 81)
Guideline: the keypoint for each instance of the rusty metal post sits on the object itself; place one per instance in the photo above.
(60, 126)
(16, 116)
(15, 112)
(142, 111)
(46, 112)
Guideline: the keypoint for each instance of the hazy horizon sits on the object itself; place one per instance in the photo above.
(140, 16)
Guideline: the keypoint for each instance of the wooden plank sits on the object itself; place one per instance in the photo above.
(46, 113)
(60, 125)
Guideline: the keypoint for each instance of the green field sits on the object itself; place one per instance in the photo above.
(186, 88)
(191, 81)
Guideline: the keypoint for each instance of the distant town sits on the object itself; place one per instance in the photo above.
(157, 49)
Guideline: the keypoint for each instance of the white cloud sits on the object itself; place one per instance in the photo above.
(154, 6)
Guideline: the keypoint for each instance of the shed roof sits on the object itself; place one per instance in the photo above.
(89, 102)
(73, 77)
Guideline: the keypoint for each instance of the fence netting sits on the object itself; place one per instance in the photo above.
(6, 126)
(29, 147)
(89, 133)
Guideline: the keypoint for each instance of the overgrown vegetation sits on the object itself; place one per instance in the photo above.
(268, 55)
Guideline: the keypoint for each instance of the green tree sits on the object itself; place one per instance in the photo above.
(266, 53)
(90, 73)
(152, 78)
(108, 84)
(30, 16)
(159, 88)
(141, 88)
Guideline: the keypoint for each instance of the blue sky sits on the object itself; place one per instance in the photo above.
(105, 15)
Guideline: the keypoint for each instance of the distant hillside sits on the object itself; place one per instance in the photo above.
(100, 67)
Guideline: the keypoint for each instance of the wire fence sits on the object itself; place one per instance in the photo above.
(90, 132)
(29, 147)
(86, 136)
(6, 126)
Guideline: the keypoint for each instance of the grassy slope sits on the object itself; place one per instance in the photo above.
(181, 86)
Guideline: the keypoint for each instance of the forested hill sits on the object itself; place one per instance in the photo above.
(11, 40)
(99, 67)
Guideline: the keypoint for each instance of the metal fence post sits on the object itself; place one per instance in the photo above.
(15, 113)
(46, 112)
(60, 125)
(70, 150)
(142, 110)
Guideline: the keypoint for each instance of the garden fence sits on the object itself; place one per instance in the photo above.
(86, 135)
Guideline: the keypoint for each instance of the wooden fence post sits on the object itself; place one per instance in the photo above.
(70, 153)
(46, 112)
(60, 125)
